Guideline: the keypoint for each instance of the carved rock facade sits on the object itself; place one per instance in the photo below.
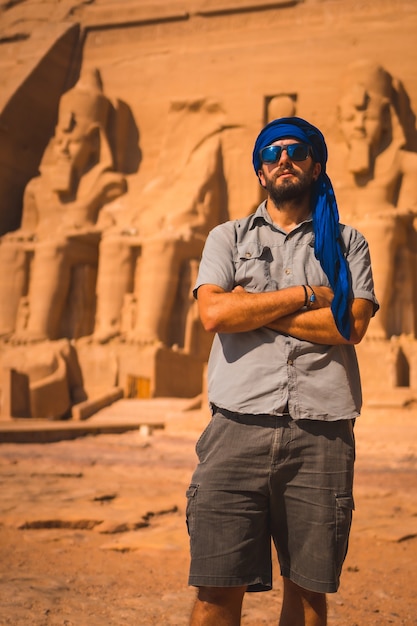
(127, 133)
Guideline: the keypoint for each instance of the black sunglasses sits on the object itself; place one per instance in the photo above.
(295, 151)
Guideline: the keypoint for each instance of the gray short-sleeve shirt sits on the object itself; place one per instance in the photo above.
(263, 371)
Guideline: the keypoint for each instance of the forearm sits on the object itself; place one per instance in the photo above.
(318, 325)
(240, 311)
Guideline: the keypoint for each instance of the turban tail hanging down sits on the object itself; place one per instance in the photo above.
(327, 240)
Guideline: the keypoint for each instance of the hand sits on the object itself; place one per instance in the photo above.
(111, 185)
(239, 289)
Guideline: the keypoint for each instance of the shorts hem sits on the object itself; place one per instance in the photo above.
(311, 585)
(254, 585)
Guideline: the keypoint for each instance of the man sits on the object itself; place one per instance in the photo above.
(288, 292)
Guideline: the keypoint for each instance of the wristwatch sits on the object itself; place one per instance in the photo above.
(312, 298)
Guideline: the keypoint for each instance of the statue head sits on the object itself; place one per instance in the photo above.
(80, 139)
(281, 105)
(366, 113)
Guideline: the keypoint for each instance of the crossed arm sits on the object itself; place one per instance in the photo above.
(241, 311)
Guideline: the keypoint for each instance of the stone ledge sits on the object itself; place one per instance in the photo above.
(87, 408)
(45, 431)
(114, 418)
(124, 14)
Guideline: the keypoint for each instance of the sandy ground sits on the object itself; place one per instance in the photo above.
(92, 530)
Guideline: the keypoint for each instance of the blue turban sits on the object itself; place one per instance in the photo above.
(327, 240)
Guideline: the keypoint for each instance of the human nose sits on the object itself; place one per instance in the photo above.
(284, 158)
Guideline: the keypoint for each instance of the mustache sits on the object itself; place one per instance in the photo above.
(286, 169)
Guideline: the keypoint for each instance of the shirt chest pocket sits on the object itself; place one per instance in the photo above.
(253, 267)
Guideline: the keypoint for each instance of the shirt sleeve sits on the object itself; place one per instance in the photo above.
(217, 265)
(359, 261)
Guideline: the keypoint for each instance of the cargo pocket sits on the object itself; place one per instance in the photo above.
(344, 508)
(191, 495)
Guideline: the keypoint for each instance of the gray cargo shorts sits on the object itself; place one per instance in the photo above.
(268, 477)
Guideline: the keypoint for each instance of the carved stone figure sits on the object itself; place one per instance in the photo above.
(381, 190)
(49, 289)
(280, 105)
(146, 267)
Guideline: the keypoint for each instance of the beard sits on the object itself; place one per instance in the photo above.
(62, 176)
(290, 190)
(359, 156)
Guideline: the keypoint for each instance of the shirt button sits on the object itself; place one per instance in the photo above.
(290, 362)
(248, 255)
(288, 271)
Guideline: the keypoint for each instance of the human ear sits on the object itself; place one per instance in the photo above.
(261, 178)
(316, 171)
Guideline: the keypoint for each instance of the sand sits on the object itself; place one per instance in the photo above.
(92, 530)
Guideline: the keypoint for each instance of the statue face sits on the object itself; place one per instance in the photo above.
(361, 115)
(75, 148)
(72, 141)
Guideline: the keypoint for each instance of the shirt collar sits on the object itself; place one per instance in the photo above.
(261, 215)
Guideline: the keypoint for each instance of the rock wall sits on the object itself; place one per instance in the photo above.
(127, 131)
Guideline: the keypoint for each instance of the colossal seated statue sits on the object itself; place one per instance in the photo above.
(376, 186)
(49, 289)
(146, 267)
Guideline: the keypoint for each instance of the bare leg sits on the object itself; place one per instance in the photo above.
(301, 607)
(218, 606)
(114, 281)
(12, 282)
(159, 271)
(385, 235)
(50, 282)
(48, 289)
